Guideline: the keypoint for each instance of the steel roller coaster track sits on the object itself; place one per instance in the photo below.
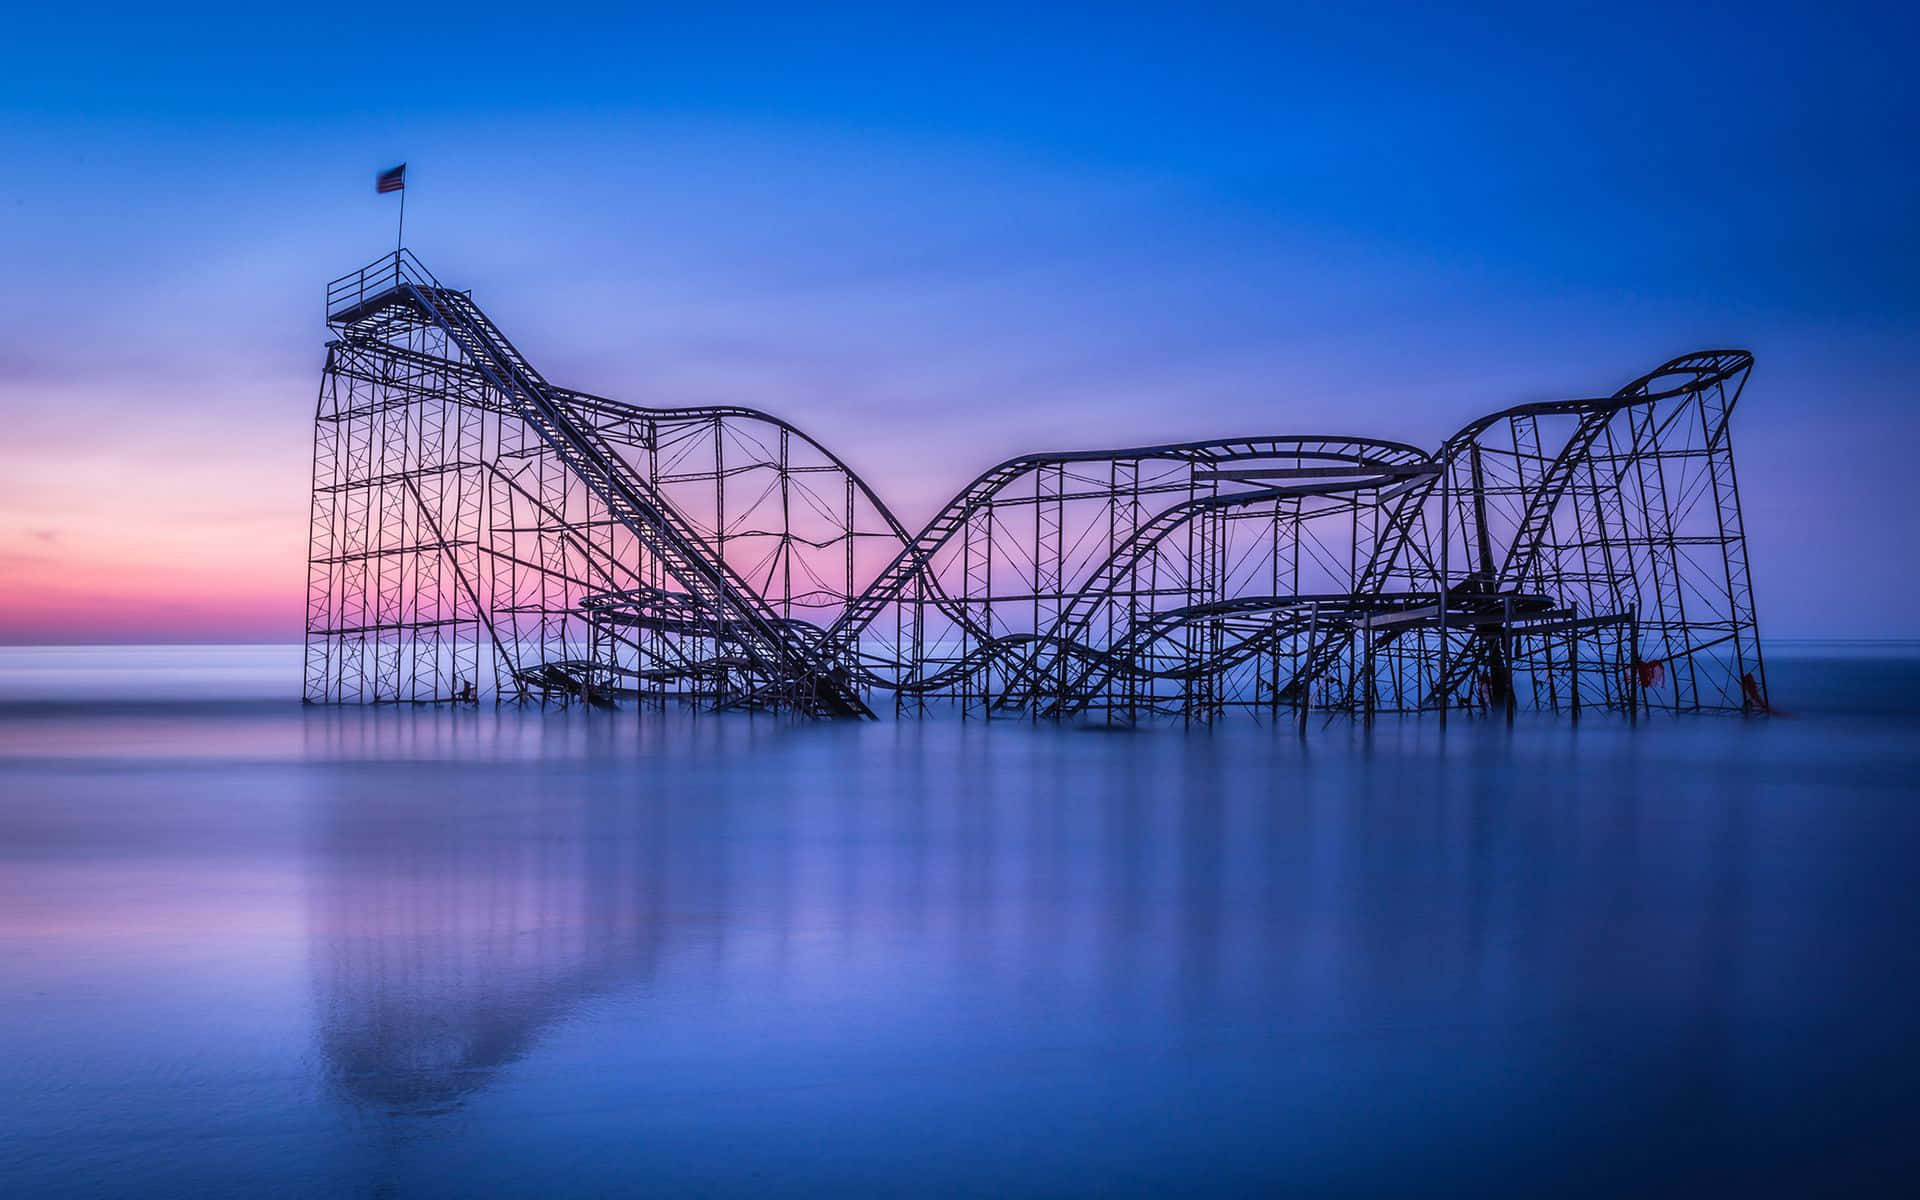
(479, 533)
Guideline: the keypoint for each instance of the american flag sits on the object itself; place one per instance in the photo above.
(391, 180)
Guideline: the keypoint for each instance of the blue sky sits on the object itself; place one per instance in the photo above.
(937, 238)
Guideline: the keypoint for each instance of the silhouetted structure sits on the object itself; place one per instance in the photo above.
(480, 532)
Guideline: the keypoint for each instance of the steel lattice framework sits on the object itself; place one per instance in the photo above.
(480, 533)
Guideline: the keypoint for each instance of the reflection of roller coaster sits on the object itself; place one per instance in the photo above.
(480, 532)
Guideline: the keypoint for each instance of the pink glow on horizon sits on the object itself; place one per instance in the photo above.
(84, 601)
(98, 543)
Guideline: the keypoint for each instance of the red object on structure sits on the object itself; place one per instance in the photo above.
(1650, 674)
(1750, 687)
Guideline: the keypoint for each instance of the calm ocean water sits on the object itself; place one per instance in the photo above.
(253, 949)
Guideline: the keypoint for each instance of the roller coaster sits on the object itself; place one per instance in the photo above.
(479, 533)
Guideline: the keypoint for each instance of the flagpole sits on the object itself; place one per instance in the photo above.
(402, 232)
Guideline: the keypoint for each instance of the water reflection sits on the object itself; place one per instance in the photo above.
(443, 944)
(448, 954)
(1514, 928)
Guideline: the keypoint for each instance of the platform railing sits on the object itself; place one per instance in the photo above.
(382, 275)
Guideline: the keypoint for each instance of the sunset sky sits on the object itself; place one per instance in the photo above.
(935, 241)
